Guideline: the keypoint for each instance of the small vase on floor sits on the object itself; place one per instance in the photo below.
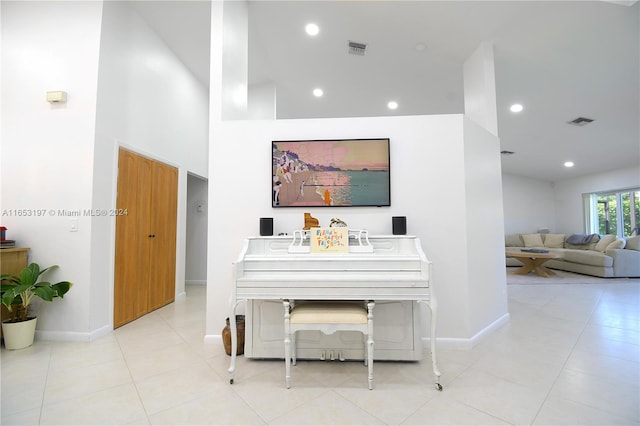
(226, 336)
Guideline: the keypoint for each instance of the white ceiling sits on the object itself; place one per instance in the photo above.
(561, 60)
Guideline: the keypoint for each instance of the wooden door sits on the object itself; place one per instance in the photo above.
(130, 283)
(163, 218)
(145, 237)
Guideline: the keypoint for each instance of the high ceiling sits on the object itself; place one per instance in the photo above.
(560, 60)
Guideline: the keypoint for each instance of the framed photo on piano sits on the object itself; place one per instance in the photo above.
(331, 173)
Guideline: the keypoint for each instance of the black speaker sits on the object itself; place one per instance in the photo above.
(399, 225)
(266, 226)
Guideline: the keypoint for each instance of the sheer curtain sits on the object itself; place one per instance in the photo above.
(590, 213)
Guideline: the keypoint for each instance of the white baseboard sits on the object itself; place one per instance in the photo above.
(210, 339)
(485, 332)
(445, 343)
(195, 282)
(450, 343)
(73, 336)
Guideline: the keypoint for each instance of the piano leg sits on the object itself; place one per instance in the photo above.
(234, 338)
(287, 343)
(433, 308)
(370, 343)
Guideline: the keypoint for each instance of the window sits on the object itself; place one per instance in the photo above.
(615, 213)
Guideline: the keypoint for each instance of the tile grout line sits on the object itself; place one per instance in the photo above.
(133, 381)
(44, 388)
(586, 324)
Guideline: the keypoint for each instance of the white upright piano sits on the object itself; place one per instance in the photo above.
(391, 270)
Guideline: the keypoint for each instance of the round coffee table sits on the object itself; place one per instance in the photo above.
(533, 262)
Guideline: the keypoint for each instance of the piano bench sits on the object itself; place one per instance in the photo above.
(327, 317)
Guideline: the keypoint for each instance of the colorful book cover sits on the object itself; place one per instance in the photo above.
(329, 240)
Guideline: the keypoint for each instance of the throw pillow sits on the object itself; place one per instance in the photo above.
(512, 240)
(532, 240)
(590, 246)
(604, 242)
(617, 244)
(633, 243)
(554, 240)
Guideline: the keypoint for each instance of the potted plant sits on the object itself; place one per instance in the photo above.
(17, 293)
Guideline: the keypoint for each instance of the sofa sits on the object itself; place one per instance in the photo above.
(604, 256)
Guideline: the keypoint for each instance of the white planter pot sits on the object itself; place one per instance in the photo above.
(18, 335)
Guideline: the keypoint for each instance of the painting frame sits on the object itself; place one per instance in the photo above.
(331, 173)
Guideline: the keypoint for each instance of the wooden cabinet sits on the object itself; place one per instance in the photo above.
(145, 253)
(12, 261)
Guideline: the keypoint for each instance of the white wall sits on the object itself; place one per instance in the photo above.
(149, 102)
(529, 204)
(568, 195)
(197, 208)
(124, 87)
(262, 101)
(480, 88)
(486, 280)
(235, 59)
(428, 186)
(48, 150)
(148, 99)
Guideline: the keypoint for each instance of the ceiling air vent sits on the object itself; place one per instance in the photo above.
(356, 48)
(507, 152)
(580, 121)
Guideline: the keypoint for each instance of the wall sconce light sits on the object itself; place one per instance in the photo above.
(57, 97)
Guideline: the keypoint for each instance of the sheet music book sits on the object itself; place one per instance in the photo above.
(330, 240)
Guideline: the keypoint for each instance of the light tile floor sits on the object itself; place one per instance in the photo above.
(570, 355)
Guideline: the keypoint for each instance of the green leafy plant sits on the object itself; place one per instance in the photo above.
(18, 292)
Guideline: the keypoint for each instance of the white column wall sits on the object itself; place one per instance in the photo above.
(487, 283)
(235, 59)
(480, 88)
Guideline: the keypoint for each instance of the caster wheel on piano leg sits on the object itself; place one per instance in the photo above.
(438, 387)
(231, 381)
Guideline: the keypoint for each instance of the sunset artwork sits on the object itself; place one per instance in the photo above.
(330, 173)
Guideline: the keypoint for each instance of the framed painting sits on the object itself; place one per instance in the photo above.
(331, 173)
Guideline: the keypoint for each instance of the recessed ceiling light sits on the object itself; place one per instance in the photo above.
(420, 47)
(568, 164)
(312, 29)
(516, 108)
(392, 105)
(317, 93)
